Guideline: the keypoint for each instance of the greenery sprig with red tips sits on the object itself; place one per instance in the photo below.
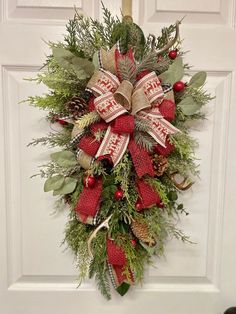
(124, 109)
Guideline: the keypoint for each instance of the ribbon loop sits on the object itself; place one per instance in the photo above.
(107, 60)
(152, 87)
(108, 108)
(139, 101)
(123, 94)
(103, 82)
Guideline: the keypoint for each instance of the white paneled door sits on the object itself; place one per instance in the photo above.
(36, 276)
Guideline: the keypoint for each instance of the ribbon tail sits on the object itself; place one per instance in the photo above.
(148, 196)
(116, 264)
(141, 160)
(113, 144)
(159, 128)
(88, 203)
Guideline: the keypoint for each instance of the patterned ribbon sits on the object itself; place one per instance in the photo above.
(115, 99)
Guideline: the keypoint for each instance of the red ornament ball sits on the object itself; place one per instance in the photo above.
(119, 194)
(89, 181)
(179, 86)
(138, 205)
(173, 54)
(133, 242)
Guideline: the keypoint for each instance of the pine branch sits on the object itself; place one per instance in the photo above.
(144, 140)
(88, 119)
(141, 125)
(126, 69)
(150, 63)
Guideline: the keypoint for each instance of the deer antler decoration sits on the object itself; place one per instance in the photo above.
(104, 224)
(171, 42)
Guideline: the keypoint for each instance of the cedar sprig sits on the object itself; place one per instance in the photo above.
(60, 139)
(88, 119)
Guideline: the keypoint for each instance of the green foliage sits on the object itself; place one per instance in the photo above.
(68, 61)
(67, 187)
(92, 35)
(149, 62)
(60, 139)
(64, 158)
(198, 79)
(175, 72)
(189, 106)
(144, 140)
(53, 183)
(88, 119)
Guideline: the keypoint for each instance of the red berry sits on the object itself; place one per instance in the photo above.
(133, 242)
(161, 205)
(89, 182)
(179, 86)
(139, 205)
(119, 194)
(173, 54)
(61, 122)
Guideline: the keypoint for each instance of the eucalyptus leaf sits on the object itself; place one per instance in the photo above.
(198, 79)
(68, 187)
(189, 106)
(64, 158)
(53, 183)
(67, 60)
(174, 73)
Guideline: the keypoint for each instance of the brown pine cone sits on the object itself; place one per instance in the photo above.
(160, 164)
(76, 106)
(142, 232)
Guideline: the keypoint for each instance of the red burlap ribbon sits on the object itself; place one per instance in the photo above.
(88, 203)
(167, 109)
(99, 126)
(123, 124)
(141, 159)
(164, 151)
(148, 197)
(115, 254)
(117, 260)
(89, 145)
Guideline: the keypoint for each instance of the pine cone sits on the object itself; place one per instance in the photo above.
(141, 231)
(160, 164)
(76, 107)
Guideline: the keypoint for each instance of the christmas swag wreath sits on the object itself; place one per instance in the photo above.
(123, 115)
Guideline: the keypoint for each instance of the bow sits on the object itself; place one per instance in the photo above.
(119, 103)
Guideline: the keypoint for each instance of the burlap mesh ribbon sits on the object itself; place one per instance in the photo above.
(88, 203)
(117, 261)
